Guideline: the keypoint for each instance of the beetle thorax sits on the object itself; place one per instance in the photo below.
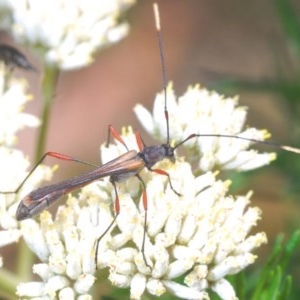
(153, 154)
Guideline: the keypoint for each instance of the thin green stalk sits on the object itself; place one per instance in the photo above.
(25, 261)
(26, 257)
(8, 283)
(48, 88)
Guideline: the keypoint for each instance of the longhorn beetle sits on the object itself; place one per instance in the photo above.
(119, 169)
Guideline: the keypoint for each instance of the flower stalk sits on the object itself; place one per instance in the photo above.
(48, 92)
(8, 284)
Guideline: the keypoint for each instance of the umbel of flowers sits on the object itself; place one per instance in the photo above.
(66, 33)
(192, 241)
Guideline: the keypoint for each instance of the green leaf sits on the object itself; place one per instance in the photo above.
(273, 283)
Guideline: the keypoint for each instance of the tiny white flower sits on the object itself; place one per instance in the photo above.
(34, 238)
(66, 294)
(67, 32)
(84, 283)
(138, 286)
(30, 289)
(183, 291)
(43, 270)
(224, 289)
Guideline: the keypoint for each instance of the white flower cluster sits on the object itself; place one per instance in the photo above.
(201, 236)
(13, 162)
(207, 113)
(67, 32)
(13, 98)
(66, 248)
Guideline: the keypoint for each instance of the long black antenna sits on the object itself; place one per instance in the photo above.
(163, 65)
(269, 143)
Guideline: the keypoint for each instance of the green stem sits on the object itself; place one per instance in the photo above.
(26, 257)
(48, 88)
(8, 284)
(25, 261)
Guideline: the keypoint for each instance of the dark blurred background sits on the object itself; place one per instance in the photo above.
(249, 48)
